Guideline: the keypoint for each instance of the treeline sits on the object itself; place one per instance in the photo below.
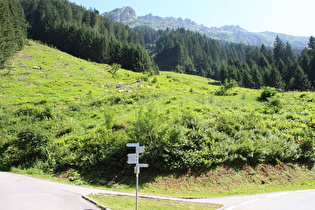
(189, 52)
(85, 34)
(12, 28)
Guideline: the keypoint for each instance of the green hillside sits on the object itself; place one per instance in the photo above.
(62, 114)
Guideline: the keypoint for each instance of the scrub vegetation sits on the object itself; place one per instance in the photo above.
(61, 114)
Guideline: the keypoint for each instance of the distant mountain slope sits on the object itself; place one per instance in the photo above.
(128, 16)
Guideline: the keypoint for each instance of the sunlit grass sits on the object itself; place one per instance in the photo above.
(128, 203)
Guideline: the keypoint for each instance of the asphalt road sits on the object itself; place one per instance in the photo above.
(290, 200)
(22, 192)
(19, 192)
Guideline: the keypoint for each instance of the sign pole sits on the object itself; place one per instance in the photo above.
(133, 158)
(137, 182)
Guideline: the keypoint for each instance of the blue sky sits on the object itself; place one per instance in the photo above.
(294, 17)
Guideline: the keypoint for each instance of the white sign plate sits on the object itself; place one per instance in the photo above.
(143, 165)
(132, 145)
(132, 158)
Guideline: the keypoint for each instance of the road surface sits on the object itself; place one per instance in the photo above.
(19, 192)
(23, 192)
(291, 200)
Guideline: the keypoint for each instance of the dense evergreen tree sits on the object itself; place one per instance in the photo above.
(263, 62)
(267, 53)
(247, 78)
(12, 28)
(299, 81)
(276, 79)
(256, 76)
(279, 50)
(289, 56)
(307, 60)
(194, 53)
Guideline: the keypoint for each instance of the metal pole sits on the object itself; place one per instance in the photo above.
(137, 180)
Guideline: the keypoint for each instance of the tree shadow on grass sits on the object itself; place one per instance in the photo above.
(216, 83)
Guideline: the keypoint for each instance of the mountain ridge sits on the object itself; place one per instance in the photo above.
(231, 33)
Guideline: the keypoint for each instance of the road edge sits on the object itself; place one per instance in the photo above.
(95, 202)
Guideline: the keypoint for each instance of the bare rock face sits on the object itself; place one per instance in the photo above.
(123, 15)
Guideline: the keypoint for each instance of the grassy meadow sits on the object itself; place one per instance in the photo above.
(71, 118)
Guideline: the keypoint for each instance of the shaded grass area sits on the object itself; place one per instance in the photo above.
(128, 203)
(225, 181)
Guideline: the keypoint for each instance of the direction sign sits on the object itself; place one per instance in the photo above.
(132, 158)
(140, 149)
(143, 165)
(132, 145)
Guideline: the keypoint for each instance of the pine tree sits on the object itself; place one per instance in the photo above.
(289, 56)
(247, 78)
(95, 20)
(311, 54)
(267, 53)
(276, 79)
(279, 50)
(6, 32)
(301, 81)
(305, 60)
(12, 28)
(224, 72)
(263, 62)
(87, 18)
(311, 44)
(256, 76)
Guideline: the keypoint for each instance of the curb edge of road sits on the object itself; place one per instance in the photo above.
(223, 207)
(141, 196)
(95, 202)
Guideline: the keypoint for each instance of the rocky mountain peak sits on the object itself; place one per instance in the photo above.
(123, 15)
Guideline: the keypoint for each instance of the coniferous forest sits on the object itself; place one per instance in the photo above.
(86, 34)
(12, 29)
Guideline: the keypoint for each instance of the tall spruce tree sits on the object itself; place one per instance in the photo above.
(276, 79)
(12, 28)
(279, 50)
(300, 79)
(256, 75)
(311, 54)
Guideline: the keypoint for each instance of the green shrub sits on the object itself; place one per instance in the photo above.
(39, 113)
(154, 80)
(28, 146)
(307, 149)
(267, 92)
(275, 105)
(227, 85)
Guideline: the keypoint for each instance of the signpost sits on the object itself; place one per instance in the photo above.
(133, 158)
